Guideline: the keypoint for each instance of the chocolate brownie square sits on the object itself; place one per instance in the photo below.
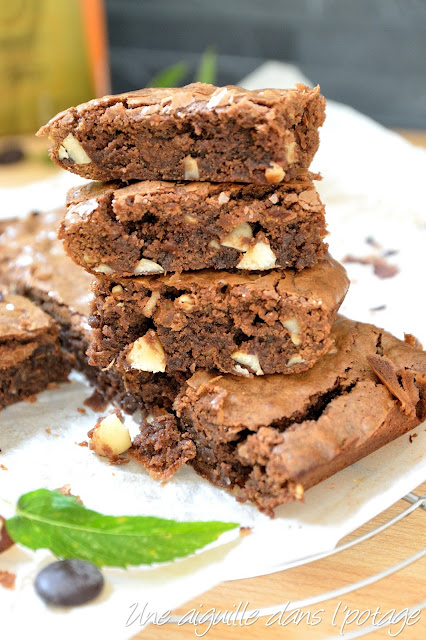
(196, 132)
(269, 439)
(30, 353)
(244, 324)
(156, 227)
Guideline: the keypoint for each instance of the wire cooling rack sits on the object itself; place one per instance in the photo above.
(416, 502)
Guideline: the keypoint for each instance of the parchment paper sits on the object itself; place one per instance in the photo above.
(373, 188)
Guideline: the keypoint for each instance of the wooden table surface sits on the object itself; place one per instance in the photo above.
(405, 588)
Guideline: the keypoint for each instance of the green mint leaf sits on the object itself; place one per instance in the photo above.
(170, 76)
(49, 520)
(207, 68)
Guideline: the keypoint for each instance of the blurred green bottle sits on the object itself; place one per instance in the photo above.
(53, 54)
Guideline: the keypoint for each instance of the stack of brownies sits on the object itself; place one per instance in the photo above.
(215, 299)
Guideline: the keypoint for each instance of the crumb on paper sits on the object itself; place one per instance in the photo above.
(412, 435)
(3, 467)
(32, 398)
(117, 462)
(49, 431)
(81, 410)
(7, 579)
(245, 531)
(52, 385)
(382, 268)
(84, 443)
(66, 491)
(97, 401)
(413, 341)
(5, 540)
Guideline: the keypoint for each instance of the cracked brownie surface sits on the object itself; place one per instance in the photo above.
(272, 438)
(30, 353)
(238, 323)
(196, 132)
(154, 227)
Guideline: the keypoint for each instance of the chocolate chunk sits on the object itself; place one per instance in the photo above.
(68, 583)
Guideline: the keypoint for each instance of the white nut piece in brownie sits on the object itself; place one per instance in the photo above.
(190, 167)
(274, 173)
(248, 360)
(150, 305)
(71, 149)
(147, 354)
(239, 238)
(145, 267)
(104, 268)
(258, 257)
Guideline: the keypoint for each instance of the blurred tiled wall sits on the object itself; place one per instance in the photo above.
(368, 53)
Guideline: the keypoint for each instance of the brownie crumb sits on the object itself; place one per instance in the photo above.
(81, 410)
(117, 461)
(5, 540)
(160, 447)
(3, 467)
(82, 444)
(412, 435)
(245, 531)
(7, 579)
(412, 341)
(48, 431)
(97, 401)
(381, 268)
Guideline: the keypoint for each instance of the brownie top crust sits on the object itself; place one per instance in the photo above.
(197, 96)
(181, 191)
(21, 319)
(31, 255)
(327, 280)
(196, 132)
(153, 226)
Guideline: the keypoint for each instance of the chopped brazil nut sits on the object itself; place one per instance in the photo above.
(109, 437)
